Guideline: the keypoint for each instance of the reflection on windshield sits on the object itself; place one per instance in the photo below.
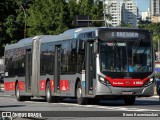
(132, 56)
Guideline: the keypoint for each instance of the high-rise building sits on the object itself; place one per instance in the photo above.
(114, 10)
(145, 16)
(154, 7)
(155, 10)
(121, 11)
(130, 12)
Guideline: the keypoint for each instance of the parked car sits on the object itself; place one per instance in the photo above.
(1, 78)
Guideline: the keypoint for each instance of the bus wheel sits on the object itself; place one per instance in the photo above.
(49, 96)
(18, 96)
(80, 100)
(129, 100)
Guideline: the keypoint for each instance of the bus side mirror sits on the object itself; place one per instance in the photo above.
(95, 47)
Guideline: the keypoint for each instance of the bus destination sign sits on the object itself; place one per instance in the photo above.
(125, 34)
(110, 35)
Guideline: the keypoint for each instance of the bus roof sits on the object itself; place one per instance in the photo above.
(68, 34)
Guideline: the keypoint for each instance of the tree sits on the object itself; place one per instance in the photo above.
(36, 17)
(97, 13)
(86, 7)
(46, 17)
(125, 25)
(155, 28)
(72, 8)
(7, 12)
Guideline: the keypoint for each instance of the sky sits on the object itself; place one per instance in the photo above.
(143, 5)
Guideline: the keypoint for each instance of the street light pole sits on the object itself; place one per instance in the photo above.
(158, 51)
(25, 24)
(25, 16)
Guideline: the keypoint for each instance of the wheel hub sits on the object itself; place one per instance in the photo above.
(79, 93)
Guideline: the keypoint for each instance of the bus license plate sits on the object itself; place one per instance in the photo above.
(127, 93)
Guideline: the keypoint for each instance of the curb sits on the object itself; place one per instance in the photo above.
(156, 96)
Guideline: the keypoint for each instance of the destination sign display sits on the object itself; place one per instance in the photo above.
(125, 34)
(112, 35)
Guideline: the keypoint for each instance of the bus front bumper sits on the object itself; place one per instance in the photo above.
(102, 89)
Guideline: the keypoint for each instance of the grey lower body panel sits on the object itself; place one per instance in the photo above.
(103, 90)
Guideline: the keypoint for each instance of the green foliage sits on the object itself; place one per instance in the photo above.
(157, 75)
(155, 28)
(46, 17)
(24, 18)
(126, 25)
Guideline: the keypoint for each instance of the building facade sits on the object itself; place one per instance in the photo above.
(114, 10)
(122, 12)
(146, 15)
(154, 7)
(155, 10)
(130, 12)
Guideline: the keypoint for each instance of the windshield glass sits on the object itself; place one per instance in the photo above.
(125, 56)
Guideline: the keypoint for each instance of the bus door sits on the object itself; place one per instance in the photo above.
(90, 67)
(57, 69)
(28, 69)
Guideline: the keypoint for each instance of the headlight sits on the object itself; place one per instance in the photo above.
(149, 82)
(104, 81)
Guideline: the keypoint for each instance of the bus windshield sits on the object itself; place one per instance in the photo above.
(125, 56)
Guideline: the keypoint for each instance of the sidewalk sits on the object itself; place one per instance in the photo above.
(155, 96)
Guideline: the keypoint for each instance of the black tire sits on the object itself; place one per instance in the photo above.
(18, 96)
(129, 100)
(49, 97)
(80, 100)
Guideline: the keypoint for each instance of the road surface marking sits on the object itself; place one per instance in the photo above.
(92, 106)
(110, 108)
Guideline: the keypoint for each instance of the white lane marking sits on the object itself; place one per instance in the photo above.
(155, 96)
(93, 106)
(7, 99)
(5, 95)
(110, 108)
(36, 102)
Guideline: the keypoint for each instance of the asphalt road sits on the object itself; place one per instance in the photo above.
(144, 108)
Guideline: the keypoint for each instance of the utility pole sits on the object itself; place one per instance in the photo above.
(158, 51)
(106, 10)
(25, 23)
(25, 16)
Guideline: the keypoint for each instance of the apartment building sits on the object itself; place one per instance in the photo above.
(145, 16)
(114, 9)
(122, 11)
(130, 12)
(154, 7)
(155, 10)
